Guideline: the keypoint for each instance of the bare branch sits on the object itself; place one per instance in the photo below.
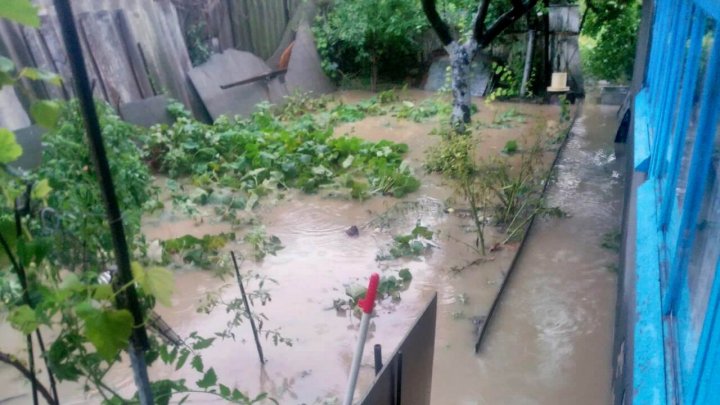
(15, 363)
(503, 22)
(441, 29)
(479, 23)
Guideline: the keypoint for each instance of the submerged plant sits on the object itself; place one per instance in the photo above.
(202, 252)
(390, 286)
(262, 244)
(263, 154)
(417, 242)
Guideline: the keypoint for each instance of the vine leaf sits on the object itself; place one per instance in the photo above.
(46, 113)
(108, 330)
(208, 380)
(10, 150)
(24, 319)
(197, 363)
(37, 74)
(21, 11)
(157, 281)
(181, 360)
(7, 67)
(41, 190)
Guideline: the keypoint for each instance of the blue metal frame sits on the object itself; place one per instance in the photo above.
(673, 362)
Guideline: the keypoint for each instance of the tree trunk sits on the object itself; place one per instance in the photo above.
(460, 58)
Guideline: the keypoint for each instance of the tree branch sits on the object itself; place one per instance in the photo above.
(479, 23)
(441, 29)
(504, 21)
(15, 363)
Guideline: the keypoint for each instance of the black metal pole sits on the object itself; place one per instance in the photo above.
(247, 309)
(138, 340)
(377, 352)
(399, 380)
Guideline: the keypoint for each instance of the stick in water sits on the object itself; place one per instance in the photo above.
(366, 304)
(247, 309)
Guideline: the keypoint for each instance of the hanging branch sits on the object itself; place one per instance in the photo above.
(17, 365)
(504, 21)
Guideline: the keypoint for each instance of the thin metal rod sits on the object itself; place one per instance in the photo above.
(357, 357)
(399, 381)
(138, 340)
(377, 352)
(528, 63)
(266, 76)
(247, 309)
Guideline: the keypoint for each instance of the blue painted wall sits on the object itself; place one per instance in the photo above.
(676, 145)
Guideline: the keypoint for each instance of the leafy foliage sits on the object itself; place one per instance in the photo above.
(21, 11)
(203, 252)
(417, 242)
(613, 25)
(262, 154)
(359, 34)
(69, 170)
(262, 244)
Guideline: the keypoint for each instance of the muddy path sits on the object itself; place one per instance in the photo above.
(551, 339)
(319, 259)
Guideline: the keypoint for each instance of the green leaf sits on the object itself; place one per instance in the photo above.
(108, 330)
(182, 359)
(41, 190)
(103, 292)
(37, 74)
(237, 396)
(156, 281)
(225, 391)
(6, 65)
(405, 275)
(202, 343)
(21, 11)
(8, 232)
(197, 363)
(208, 380)
(46, 113)
(162, 391)
(10, 150)
(24, 319)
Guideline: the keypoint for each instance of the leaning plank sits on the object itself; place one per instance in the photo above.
(132, 51)
(106, 48)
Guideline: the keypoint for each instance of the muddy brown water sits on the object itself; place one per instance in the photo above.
(551, 340)
(540, 339)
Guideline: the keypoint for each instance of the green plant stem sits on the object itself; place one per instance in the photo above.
(479, 225)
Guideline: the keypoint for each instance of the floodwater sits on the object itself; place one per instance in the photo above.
(551, 339)
(549, 343)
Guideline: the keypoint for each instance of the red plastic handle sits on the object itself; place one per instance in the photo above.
(368, 303)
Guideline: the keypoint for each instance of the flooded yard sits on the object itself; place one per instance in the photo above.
(552, 324)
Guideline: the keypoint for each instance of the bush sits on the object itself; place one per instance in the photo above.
(614, 27)
(357, 36)
(68, 167)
